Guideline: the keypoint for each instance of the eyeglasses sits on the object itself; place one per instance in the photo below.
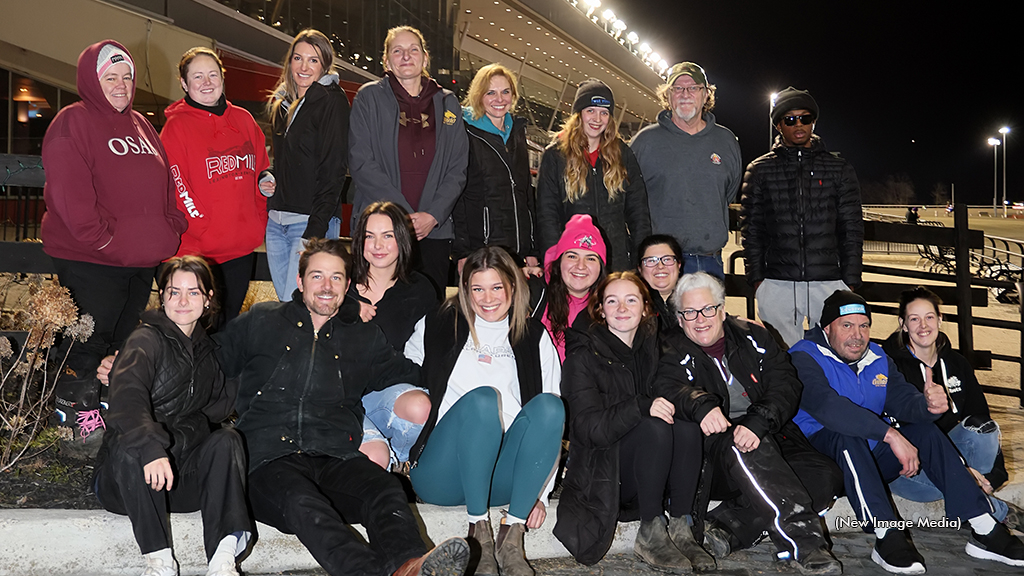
(805, 119)
(708, 312)
(691, 89)
(652, 261)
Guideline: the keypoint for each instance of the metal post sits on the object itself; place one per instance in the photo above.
(962, 253)
(558, 104)
(1020, 292)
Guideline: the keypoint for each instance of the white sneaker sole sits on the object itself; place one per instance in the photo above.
(915, 568)
(976, 552)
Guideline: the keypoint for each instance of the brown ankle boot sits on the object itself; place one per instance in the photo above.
(480, 535)
(509, 552)
(654, 547)
(449, 558)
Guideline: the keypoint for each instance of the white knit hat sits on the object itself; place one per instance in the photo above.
(110, 55)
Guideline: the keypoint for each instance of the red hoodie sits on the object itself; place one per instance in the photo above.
(215, 162)
(109, 194)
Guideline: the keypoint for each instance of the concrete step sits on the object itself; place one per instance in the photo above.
(78, 542)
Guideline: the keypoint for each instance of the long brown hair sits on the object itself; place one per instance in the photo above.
(497, 259)
(404, 235)
(285, 92)
(558, 298)
(572, 143)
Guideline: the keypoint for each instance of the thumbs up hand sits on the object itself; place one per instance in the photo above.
(934, 394)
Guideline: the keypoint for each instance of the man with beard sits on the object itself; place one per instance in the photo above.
(303, 367)
(691, 166)
(804, 202)
(859, 410)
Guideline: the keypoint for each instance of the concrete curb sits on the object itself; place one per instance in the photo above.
(76, 542)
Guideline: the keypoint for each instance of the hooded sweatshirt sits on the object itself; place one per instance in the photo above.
(215, 161)
(109, 194)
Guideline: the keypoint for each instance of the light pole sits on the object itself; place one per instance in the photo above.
(771, 127)
(994, 143)
(1005, 130)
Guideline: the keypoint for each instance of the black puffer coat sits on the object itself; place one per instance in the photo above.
(166, 391)
(497, 205)
(801, 216)
(609, 390)
(624, 222)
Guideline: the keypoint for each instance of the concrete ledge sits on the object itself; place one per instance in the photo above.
(76, 542)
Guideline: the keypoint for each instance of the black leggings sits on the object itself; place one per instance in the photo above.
(654, 456)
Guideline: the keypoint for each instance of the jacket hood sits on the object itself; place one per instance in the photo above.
(665, 120)
(88, 83)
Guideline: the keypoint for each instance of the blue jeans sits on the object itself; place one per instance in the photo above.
(284, 245)
(381, 424)
(704, 263)
(978, 449)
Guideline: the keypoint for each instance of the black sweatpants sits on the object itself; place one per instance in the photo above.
(115, 298)
(766, 484)
(316, 497)
(211, 479)
(817, 474)
(654, 456)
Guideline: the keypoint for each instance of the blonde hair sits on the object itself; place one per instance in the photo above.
(285, 90)
(512, 278)
(573, 144)
(482, 83)
(423, 46)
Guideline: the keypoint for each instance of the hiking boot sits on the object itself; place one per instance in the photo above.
(654, 546)
(481, 541)
(716, 541)
(449, 558)
(896, 553)
(681, 534)
(819, 561)
(509, 551)
(998, 545)
(1014, 517)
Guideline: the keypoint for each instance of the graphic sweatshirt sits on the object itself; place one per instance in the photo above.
(215, 163)
(109, 195)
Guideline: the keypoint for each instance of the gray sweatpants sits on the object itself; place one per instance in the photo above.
(785, 305)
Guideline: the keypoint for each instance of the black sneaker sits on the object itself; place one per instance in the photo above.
(896, 553)
(998, 545)
(819, 562)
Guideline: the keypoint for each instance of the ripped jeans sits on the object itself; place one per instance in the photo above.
(381, 424)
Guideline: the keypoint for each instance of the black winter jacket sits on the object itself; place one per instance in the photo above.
(446, 333)
(166, 391)
(311, 157)
(801, 216)
(497, 205)
(609, 389)
(401, 307)
(624, 222)
(300, 390)
(961, 383)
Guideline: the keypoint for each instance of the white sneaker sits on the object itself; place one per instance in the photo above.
(159, 567)
(224, 569)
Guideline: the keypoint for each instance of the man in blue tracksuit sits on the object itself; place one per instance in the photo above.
(857, 408)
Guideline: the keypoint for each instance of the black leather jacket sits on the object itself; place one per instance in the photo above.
(166, 391)
(801, 216)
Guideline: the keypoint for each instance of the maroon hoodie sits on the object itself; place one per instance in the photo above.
(109, 194)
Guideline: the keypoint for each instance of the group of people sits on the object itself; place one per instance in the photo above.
(591, 309)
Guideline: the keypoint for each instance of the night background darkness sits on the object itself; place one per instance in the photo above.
(905, 88)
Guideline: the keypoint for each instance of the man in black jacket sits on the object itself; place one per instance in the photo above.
(731, 377)
(803, 233)
(303, 367)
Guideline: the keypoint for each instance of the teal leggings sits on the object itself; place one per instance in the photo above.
(470, 460)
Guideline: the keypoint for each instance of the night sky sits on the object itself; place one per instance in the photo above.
(905, 88)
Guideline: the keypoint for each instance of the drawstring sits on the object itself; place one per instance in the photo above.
(945, 385)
